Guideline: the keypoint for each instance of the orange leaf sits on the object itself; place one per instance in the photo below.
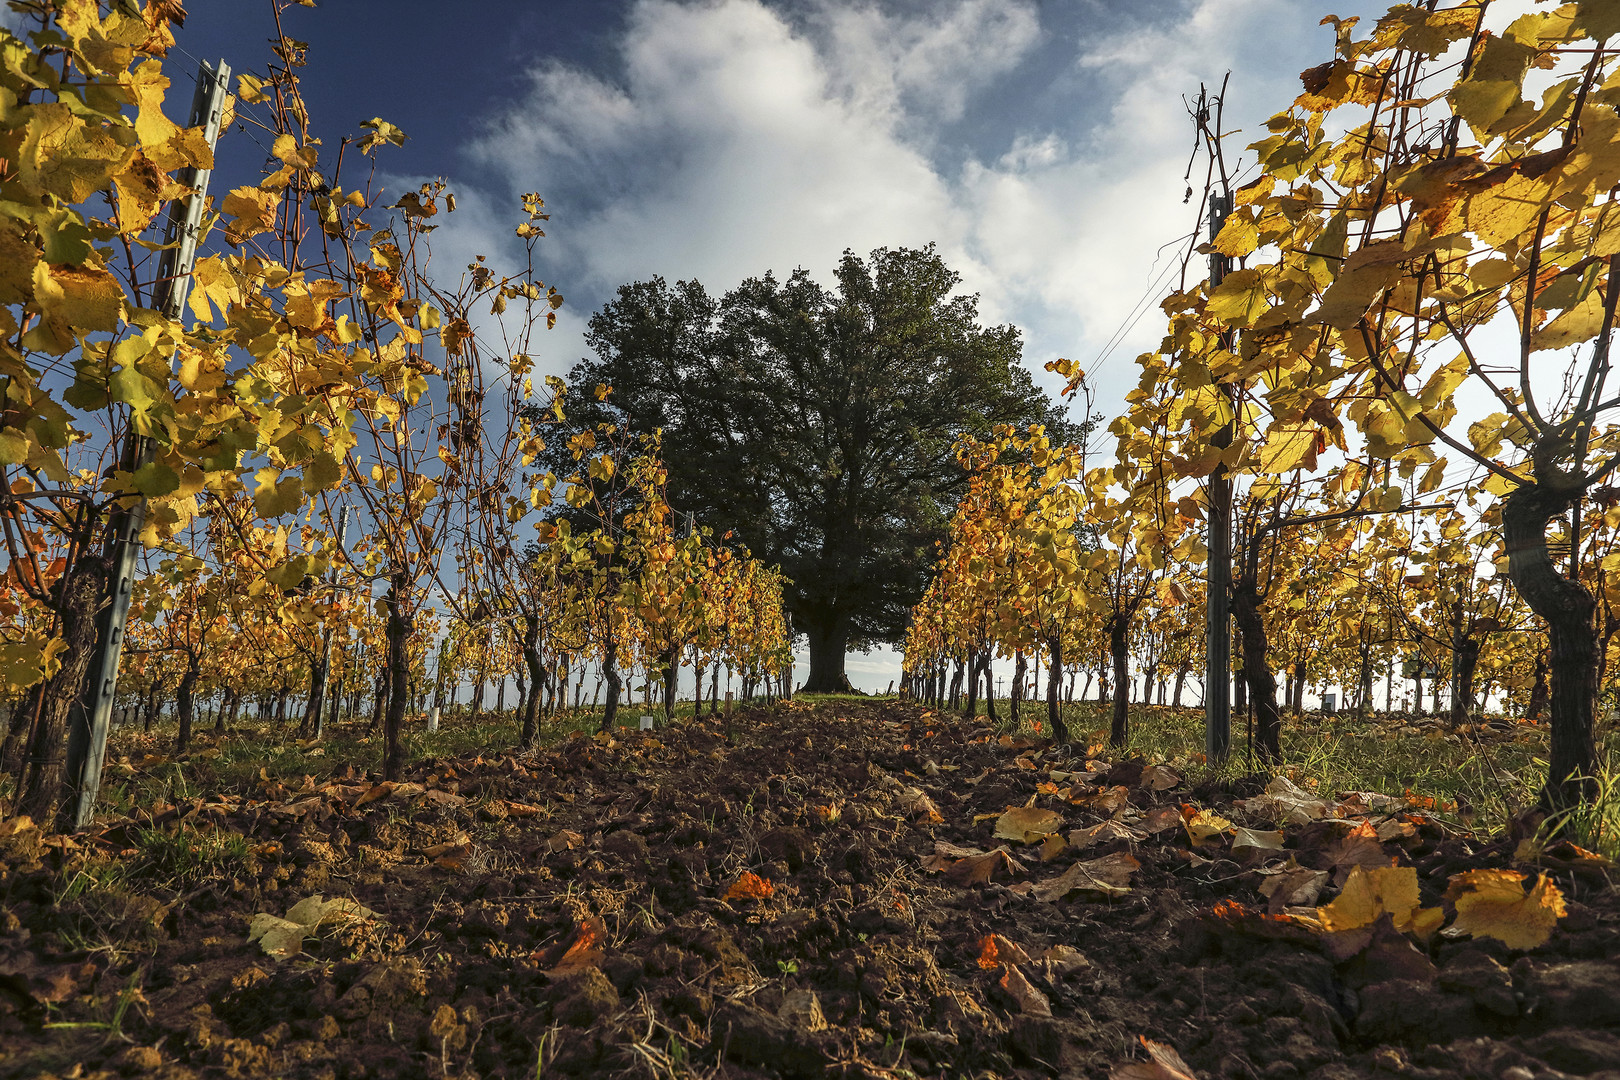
(750, 886)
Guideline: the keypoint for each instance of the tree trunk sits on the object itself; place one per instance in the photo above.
(47, 705)
(317, 695)
(1364, 682)
(399, 674)
(1538, 688)
(610, 672)
(1119, 730)
(956, 686)
(1181, 681)
(672, 669)
(1054, 683)
(1464, 662)
(379, 699)
(970, 706)
(828, 643)
(1262, 685)
(187, 703)
(989, 683)
(529, 729)
(1567, 608)
(1020, 666)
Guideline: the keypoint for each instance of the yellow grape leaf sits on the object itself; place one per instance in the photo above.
(1494, 903)
(1288, 447)
(78, 298)
(1369, 893)
(1203, 826)
(1028, 824)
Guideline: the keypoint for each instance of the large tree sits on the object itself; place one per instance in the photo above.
(815, 424)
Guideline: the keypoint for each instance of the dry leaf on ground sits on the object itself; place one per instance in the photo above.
(1028, 824)
(1286, 802)
(1163, 1063)
(580, 949)
(1494, 904)
(1203, 826)
(1031, 1002)
(996, 951)
(1256, 840)
(750, 886)
(1371, 892)
(283, 937)
(1109, 875)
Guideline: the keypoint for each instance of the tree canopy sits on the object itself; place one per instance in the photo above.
(816, 424)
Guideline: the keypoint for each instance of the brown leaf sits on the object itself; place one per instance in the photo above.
(996, 951)
(379, 791)
(1109, 875)
(1027, 824)
(978, 869)
(1106, 801)
(565, 840)
(1163, 1063)
(1300, 887)
(1104, 831)
(580, 949)
(521, 810)
(1360, 847)
(1160, 818)
(1159, 778)
(1031, 1002)
(917, 806)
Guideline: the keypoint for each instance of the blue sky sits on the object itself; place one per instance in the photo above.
(1040, 143)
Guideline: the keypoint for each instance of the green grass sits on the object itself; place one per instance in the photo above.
(1477, 782)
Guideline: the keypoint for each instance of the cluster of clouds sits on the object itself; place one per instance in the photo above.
(1041, 146)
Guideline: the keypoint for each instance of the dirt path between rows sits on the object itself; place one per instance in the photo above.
(821, 893)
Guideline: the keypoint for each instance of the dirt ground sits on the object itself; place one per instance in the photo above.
(818, 892)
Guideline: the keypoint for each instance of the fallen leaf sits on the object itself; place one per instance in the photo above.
(916, 805)
(1369, 893)
(1299, 887)
(1203, 826)
(996, 951)
(1031, 1002)
(1104, 831)
(955, 851)
(580, 949)
(1361, 846)
(1160, 818)
(1159, 778)
(1163, 1063)
(1028, 824)
(1109, 875)
(1494, 904)
(1286, 802)
(1053, 846)
(521, 810)
(1256, 840)
(283, 937)
(565, 840)
(750, 886)
(1065, 958)
(1106, 801)
(978, 869)
(378, 791)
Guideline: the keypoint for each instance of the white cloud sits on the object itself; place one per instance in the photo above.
(730, 148)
